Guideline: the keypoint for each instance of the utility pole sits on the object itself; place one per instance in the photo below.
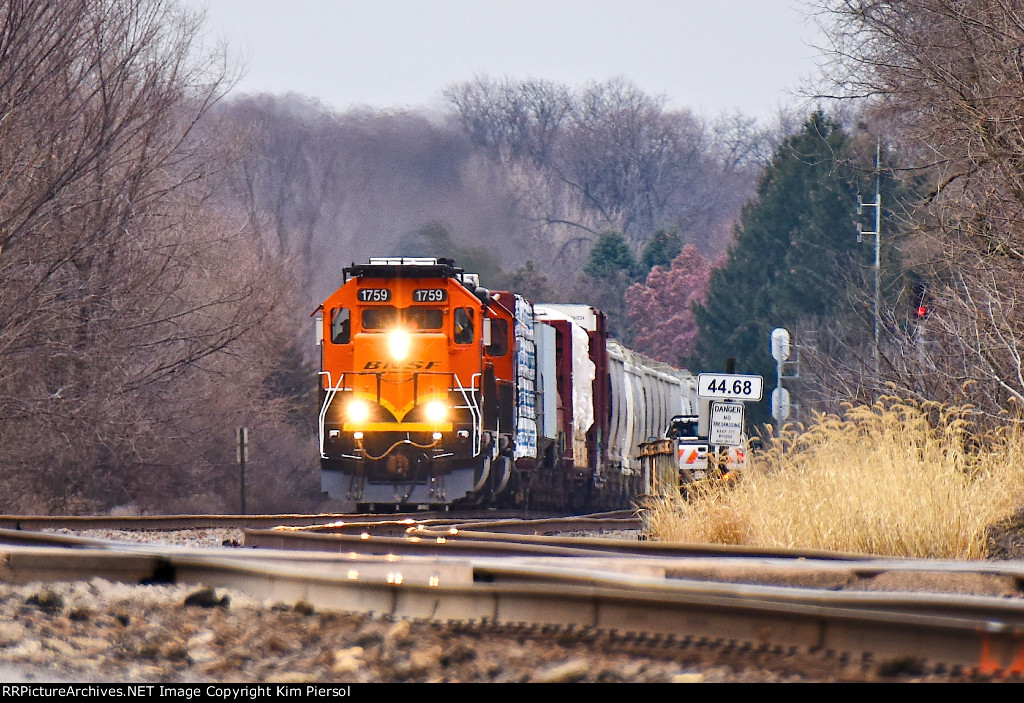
(243, 456)
(877, 234)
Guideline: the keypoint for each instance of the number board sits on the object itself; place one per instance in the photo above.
(374, 295)
(429, 295)
(730, 386)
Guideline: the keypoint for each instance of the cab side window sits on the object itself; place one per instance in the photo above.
(499, 338)
(463, 325)
(341, 326)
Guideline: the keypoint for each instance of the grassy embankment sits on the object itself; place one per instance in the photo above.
(891, 479)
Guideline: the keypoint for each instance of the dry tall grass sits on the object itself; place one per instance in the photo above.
(894, 479)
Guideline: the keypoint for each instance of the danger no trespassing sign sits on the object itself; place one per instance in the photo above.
(726, 424)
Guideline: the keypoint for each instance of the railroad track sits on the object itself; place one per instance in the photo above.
(497, 521)
(639, 592)
(185, 522)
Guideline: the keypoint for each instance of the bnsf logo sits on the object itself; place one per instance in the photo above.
(400, 365)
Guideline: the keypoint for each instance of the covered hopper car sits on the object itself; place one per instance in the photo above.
(437, 392)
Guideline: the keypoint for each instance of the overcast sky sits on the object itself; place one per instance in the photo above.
(708, 55)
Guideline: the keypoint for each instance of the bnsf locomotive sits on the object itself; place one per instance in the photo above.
(435, 391)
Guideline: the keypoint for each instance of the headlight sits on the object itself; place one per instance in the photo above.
(398, 342)
(436, 411)
(358, 411)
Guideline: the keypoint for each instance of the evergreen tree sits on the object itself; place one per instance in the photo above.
(529, 281)
(610, 269)
(610, 256)
(661, 249)
(792, 258)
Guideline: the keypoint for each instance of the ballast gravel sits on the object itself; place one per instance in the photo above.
(101, 631)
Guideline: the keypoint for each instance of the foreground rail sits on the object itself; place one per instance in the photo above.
(631, 599)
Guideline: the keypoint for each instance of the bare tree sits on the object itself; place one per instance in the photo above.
(605, 157)
(514, 119)
(126, 304)
(947, 78)
(328, 188)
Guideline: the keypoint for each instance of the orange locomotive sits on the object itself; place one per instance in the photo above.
(436, 392)
(416, 389)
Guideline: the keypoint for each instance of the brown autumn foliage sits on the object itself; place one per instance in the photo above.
(135, 325)
(661, 308)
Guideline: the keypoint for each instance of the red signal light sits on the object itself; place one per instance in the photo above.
(922, 311)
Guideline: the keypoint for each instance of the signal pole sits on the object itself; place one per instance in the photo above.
(877, 234)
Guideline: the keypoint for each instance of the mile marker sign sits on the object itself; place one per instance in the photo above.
(730, 386)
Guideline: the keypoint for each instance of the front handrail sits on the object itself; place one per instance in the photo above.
(456, 385)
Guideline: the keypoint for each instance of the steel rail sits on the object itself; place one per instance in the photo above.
(502, 521)
(684, 559)
(978, 644)
(509, 562)
(416, 541)
(160, 522)
(667, 560)
(348, 581)
(1008, 611)
(522, 526)
(71, 556)
(978, 635)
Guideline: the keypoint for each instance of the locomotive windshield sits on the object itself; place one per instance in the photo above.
(385, 317)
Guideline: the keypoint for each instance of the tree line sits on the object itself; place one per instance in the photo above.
(163, 242)
(162, 246)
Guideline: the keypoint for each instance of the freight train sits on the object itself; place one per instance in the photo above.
(436, 392)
